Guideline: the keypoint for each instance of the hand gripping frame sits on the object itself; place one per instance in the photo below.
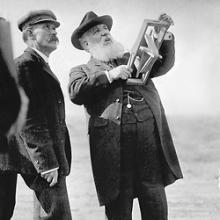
(145, 51)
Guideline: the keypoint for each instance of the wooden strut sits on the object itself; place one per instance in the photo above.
(146, 50)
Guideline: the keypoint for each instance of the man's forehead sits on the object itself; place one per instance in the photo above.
(97, 26)
(90, 31)
(45, 24)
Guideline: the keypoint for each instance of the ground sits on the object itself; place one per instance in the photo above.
(196, 197)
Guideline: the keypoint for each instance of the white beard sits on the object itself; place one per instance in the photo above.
(106, 53)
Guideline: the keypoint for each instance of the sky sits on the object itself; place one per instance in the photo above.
(191, 87)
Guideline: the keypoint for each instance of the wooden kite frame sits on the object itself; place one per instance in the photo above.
(146, 49)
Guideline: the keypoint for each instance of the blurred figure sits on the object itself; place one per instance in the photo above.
(43, 143)
(13, 110)
(131, 147)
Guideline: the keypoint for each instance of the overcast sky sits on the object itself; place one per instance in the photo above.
(191, 87)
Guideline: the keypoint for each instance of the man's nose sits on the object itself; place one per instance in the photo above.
(104, 33)
(53, 31)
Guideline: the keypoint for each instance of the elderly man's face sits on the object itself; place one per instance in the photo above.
(44, 36)
(99, 34)
(100, 44)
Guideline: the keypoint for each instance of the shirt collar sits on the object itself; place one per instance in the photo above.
(45, 58)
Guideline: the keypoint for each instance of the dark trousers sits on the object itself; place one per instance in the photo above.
(54, 200)
(141, 167)
(8, 181)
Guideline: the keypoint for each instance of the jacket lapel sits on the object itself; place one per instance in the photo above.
(108, 66)
(47, 69)
(97, 64)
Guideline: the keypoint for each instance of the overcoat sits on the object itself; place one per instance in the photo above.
(89, 86)
(43, 143)
(10, 106)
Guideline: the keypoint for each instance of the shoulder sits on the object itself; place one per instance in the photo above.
(28, 68)
(29, 57)
(27, 63)
(24, 58)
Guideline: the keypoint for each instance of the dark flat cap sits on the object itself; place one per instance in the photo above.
(37, 16)
(89, 20)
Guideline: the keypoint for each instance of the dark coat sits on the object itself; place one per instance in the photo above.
(10, 106)
(9, 98)
(43, 143)
(103, 101)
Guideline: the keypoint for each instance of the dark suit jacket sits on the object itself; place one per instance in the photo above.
(9, 98)
(44, 142)
(103, 101)
(10, 106)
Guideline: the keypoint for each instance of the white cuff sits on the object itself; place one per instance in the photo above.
(48, 171)
(168, 36)
(107, 74)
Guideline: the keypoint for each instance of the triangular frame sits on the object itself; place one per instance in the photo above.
(146, 50)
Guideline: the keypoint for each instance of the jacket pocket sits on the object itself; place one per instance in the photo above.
(97, 123)
(144, 114)
(100, 122)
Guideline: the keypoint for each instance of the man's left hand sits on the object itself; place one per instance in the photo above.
(166, 18)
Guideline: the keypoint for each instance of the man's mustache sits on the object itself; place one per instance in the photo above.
(53, 38)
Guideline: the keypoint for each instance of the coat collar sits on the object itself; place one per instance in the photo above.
(45, 58)
(96, 62)
(109, 65)
(34, 54)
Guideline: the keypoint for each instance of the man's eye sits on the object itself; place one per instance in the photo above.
(95, 31)
(47, 27)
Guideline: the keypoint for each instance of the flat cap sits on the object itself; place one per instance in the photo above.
(37, 16)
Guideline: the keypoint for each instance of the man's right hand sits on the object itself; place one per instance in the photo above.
(120, 72)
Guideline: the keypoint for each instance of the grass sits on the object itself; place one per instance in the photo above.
(196, 197)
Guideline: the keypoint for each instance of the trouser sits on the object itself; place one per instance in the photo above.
(141, 167)
(54, 200)
(8, 181)
(152, 202)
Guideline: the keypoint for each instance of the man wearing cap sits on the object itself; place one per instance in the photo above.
(131, 147)
(43, 143)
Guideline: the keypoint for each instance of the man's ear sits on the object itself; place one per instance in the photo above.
(85, 45)
(30, 33)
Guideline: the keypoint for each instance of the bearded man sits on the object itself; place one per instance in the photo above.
(131, 147)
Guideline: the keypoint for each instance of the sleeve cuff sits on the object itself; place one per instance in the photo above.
(48, 171)
(168, 35)
(107, 74)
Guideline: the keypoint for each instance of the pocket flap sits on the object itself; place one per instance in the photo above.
(100, 122)
(144, 115)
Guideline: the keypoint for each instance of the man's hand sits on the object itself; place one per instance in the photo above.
(166, 18)
(51, 177)
(120, 72)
